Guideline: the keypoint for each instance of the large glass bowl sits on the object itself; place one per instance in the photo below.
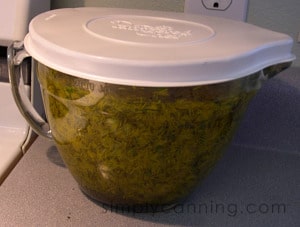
(141, 104)
(138, 146)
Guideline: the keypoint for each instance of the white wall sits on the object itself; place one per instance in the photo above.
(277, 15)
(167, 5)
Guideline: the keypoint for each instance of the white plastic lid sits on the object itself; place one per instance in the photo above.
(152, 48)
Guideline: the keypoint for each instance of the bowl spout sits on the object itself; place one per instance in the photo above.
(273, 70)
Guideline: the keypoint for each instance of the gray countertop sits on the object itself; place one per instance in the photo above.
(256, 183)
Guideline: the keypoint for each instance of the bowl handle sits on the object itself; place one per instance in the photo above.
(15, 56)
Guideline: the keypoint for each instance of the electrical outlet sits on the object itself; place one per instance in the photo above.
(216, 5)
(232, 9)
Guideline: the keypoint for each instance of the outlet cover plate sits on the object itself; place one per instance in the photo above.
(231, 9)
